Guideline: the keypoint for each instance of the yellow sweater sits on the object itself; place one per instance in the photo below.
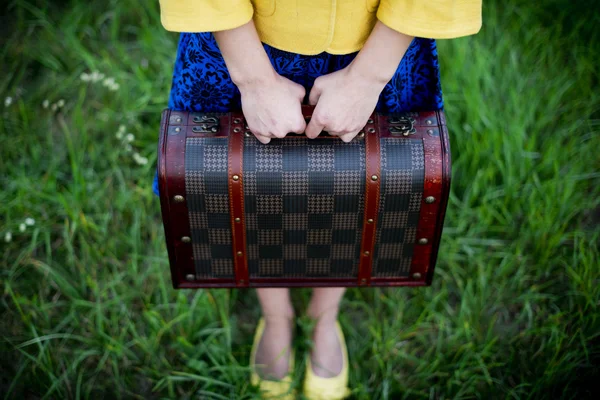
(334, 26)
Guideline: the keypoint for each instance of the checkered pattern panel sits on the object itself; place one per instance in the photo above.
(402, 176)
(208, 205)
(304, 202)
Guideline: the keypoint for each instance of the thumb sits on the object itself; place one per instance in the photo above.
(314, 128)
(315, 94)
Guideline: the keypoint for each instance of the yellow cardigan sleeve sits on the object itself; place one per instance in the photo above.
(204, 15)
(433, 19)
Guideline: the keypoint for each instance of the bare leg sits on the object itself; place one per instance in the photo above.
(326, 356)
(272, 356)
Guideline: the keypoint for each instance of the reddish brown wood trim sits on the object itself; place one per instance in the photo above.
(420, 132)
(425, 240)
(301, 282)
(236, 204)
(445, 192)
(371, 210)
(164, 196)
(171, 163)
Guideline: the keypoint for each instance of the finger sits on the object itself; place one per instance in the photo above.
(314, 127)
(262, 139)
(299, 126)
(301, 93)
(347, 137)
(314, 95)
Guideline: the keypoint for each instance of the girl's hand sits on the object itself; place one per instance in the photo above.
(272, 107)
(344, 102)
(271, 103)
(345, 99)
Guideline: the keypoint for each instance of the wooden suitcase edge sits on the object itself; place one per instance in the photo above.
(300, 283)
(446, 181)
(163, 190)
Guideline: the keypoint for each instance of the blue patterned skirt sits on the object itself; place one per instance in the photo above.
(201, 81)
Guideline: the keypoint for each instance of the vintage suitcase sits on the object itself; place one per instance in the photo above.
(299, 211)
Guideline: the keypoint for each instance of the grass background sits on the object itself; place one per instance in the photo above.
(87, 305)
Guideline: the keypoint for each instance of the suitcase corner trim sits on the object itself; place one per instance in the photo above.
(172, 198)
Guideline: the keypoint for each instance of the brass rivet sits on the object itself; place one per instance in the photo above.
(178, 120)
(236, 130)
(178, 198)
(178, 129)
(238, 219)
(428, 122)
(239, 253)
(361, 134)
(374, 177)
(236, 121)
(371, 130)
(370, 121)
(186, 239)
(363, 280)
(247, 134)
(430, 131)
(416, 275)
(235, 177)
(429, 199)
(190, 277)
(423, 241)
(366, 253)
(370, 221)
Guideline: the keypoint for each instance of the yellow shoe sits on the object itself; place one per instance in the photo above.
(280, 389)
(335, 388)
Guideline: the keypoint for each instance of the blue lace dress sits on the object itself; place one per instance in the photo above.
(201, 81)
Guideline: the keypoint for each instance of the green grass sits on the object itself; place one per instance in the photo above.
(87, 305)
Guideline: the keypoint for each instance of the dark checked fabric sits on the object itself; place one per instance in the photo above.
(402, 176)
(208, 205)
(304, 204)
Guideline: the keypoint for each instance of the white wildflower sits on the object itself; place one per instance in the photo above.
(129, 137)
(111, 84)
(139, 159)
(29, 221)
(46, 103)
(8, 237)
(60, 103)
(120, 132)
(54, 107)
(96, 76)
(22, 227)
(8, 101)
(85, 77)
(108, 82)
